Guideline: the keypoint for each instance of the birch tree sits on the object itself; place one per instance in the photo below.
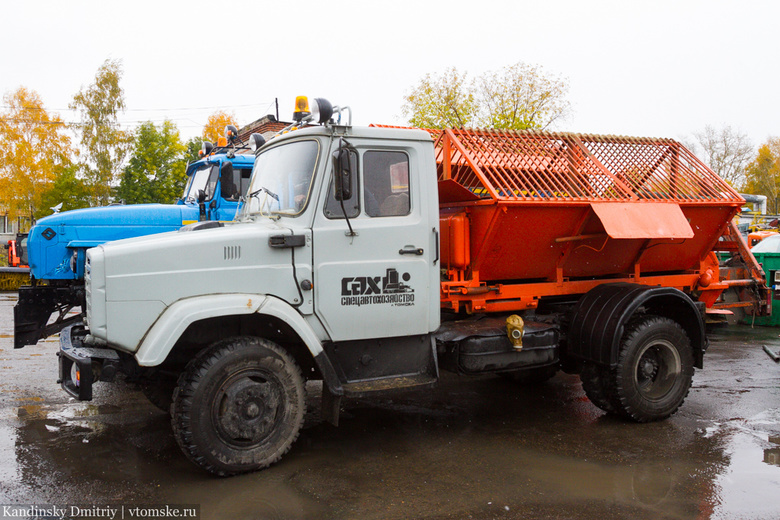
(516, 97)
(103, 142)
(727, 151)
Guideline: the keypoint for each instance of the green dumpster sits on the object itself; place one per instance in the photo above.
(767, 253)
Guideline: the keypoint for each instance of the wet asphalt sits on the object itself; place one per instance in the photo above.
(477, 448)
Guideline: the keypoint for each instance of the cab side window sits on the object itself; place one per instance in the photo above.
(386, 178)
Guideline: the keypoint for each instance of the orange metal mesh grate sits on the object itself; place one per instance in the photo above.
(546, 166)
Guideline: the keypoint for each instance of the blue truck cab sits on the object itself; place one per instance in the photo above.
(57, 244)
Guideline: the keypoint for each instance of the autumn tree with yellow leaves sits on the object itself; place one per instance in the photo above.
(215, 125)
(763, 174)
(35, 150)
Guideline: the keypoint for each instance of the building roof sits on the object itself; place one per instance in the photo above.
(267, 126)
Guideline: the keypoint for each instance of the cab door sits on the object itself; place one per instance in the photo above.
(381, 280)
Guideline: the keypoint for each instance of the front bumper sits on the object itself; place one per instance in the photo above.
(81, 366)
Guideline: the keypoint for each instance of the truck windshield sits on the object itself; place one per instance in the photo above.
(281, 179)
(204, 178)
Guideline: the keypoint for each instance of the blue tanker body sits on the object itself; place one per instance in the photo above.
(57, 244)
(55, 240)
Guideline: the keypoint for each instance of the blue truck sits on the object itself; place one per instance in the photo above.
(56, 245)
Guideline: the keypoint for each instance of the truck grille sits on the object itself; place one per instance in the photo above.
(88, 290)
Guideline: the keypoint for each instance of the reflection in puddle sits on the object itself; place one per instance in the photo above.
(772, 456)
(747, 477)
(753, 472)
(120, 454)
(8, 471)
(477, 448)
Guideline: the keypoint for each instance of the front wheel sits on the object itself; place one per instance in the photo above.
(654, 370)
(239, 406)
(159, 392)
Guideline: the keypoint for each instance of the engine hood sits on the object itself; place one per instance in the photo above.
(152, 215)
(53, 239)
(133, 281)
(170, 266)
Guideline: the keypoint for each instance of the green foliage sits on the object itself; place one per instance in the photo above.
(68, 189)
(517, 97)
(104, 144)
(446, 101)
(522, 97)
(155, 171)
(763, 174)
(35, 148)
(192, 146)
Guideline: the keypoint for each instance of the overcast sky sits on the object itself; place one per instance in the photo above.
(661, 68)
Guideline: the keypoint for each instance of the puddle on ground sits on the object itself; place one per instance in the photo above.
(483, 455)
(470, 448)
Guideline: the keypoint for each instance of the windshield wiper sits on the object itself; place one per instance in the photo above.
(269, 192)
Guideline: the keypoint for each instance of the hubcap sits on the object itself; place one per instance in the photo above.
(658, 369)
(246, 409)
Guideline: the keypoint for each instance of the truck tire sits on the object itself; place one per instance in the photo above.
(654, 370)
(595, 382)
(239, 406)
(159, 392)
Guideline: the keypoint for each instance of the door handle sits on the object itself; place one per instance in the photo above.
(436, 241)
(411, 251)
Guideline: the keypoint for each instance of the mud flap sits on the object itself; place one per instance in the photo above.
(599, 319)
(331, 405)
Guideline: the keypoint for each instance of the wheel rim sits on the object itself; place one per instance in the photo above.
(657, 370)
(247, 409)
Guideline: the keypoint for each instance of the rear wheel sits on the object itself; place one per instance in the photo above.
(654, 370)
(595, 382)
(239, 406)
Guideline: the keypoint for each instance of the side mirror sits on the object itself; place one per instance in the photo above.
(226, 186)
(342, 173)
(202, 206)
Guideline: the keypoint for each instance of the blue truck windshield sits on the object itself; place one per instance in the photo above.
(281, 179)
(204, 178)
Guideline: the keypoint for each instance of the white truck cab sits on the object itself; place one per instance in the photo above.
(292, 279)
